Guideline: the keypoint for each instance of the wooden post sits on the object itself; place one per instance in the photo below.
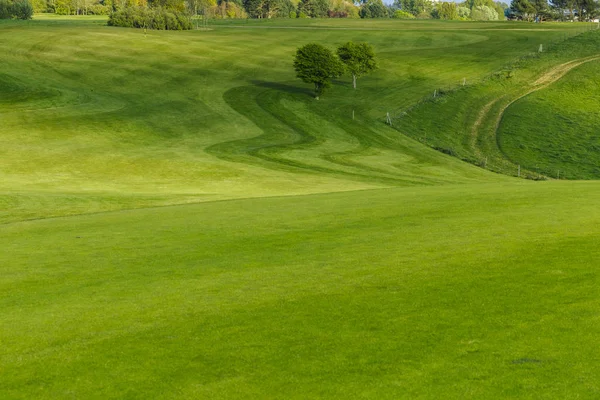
(519, 172)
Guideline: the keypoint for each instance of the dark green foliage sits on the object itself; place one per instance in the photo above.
(171, 5)
(373, 9)
(286, 8)
(23, 9)
(150, 18)
(523, 8)
(318, 65)
(358, 58)
(18, 9)
(5, 9)
(447, 11)
(314, 8)
(268, 8)
(415, 7)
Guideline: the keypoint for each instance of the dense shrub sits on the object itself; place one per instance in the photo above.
(99, 9)
(373, 9)
(5, 9)
(484, 13)
(463, 12)
(19, 9)
(399, 14)
(151, 18)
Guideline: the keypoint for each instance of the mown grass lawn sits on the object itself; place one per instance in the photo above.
(470, 291)
(99, 118)
(180, 219)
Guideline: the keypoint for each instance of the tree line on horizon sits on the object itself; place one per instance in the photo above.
(478, 10)
(137, 13)
(555, 10)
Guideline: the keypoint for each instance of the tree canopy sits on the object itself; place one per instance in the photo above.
(358, 58)
(317, 64)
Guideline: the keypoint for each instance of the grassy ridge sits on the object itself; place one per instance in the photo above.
(555, 131)
(110, 113)
(460, 291)
(464, 122)
(421, 277)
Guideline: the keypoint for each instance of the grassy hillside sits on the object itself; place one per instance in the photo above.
(469, 122)
(98, 118)
(465, 291)
(325, 257)
(555, 131)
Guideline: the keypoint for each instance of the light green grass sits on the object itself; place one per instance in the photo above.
(471, 291)
(447, 122)
(555, 131)
(327, 258)
(106, 113)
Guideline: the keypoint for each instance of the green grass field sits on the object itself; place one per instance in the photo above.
(179, 218)
(556, 129)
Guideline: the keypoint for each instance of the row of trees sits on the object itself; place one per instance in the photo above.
(318, 65)
(151, 18)
(560, 10)
(403, 9)
(16, 9)
(481, 10)
(478, 10)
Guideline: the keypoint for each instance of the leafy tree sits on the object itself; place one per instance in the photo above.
(20, 9)
(196, 7)
(373, 9)
(463, 12)
(6, 10)
(401, 14)
(314, 8)
(317, 65)
(541, 7)
(563, 5)
(358, 58)
(484, 13)
(523, 8)
(587, 9)
(268, 8)
(447, 11)
(343, 8)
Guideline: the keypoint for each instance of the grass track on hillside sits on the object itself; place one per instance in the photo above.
(465, 122)
(104, 113)
(556, 129)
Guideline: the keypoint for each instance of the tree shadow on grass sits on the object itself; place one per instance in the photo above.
(282, 87)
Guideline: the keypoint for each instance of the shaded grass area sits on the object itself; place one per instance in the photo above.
(555, 131)
(218, 114)
(463, 121)
(468, 291)
(448, 282)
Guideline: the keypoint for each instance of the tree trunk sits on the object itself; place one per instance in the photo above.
(354, 80)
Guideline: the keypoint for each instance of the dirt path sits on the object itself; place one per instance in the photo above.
(475, 128)
(548, 78)
(545, 80)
